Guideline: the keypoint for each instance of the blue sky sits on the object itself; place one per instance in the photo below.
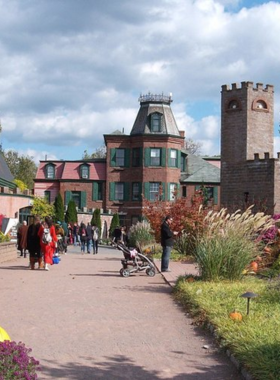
(73, 70)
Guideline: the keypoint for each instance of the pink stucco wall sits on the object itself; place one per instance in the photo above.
(10, 204)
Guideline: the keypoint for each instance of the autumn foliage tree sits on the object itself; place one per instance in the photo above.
(187, 219)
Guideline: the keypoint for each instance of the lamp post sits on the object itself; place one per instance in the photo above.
(249, 295)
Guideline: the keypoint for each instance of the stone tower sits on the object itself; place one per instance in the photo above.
(248, 169)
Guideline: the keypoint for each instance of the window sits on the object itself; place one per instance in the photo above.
(120, 157)
(50, 171)
(184, 191)
(47, 195)
(154, 190)
(136, 191)
(119, 191)
(84, 169)
(233, 104)
(136, 157)
(172, 191)
(155, 122)
(76, 197)
(261, 104)
(173, 158)
(155, 157)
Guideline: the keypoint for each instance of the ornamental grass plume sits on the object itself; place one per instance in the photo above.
(15, 362)
(229, 243)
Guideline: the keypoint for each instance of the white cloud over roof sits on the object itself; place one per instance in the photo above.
(73, 70)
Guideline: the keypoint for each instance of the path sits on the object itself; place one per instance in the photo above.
(84, 321)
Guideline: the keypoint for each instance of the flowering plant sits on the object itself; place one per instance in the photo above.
(15, 362)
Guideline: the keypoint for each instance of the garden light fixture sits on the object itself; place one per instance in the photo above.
(249, 295)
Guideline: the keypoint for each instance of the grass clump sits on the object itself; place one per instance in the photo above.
(254, 341)
(228, 243)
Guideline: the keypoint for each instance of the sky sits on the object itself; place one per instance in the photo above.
(73, 70)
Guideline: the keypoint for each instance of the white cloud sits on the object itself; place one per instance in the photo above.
(65, 81)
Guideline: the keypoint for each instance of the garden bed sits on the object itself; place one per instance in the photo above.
(255, 340)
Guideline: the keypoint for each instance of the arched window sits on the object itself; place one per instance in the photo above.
(155, 122)
(233, 104)
(260, 104)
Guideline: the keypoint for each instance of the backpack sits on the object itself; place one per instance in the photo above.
(95, 234)
(46, 237)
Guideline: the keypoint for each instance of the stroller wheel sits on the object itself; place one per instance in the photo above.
(125, 272)
(121, 271)
(150, 272)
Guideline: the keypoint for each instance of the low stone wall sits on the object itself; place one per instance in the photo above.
(8, 252)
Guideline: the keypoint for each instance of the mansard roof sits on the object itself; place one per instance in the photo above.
(150, 104)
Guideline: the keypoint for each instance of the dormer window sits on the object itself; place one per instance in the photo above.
(84, 171)
(50, 171)
(155, 122)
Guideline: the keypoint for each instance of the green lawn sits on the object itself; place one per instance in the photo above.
(255, 341)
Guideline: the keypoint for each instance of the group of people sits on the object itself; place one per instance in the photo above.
(43, 239)
(87, 237)
(40, 240)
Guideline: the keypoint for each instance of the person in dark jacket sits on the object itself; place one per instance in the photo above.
(167, 242)
(33, 244)
(89, 237)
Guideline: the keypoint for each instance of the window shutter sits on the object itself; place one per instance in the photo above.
(147, 190)
(126, 191)
(127, 157)
(178, 159)
(168, 192)
(163, 157)
(163, 191)
(94, 191)
(169, 157)
(215, 191)
(113, 157)
(112, 191)
(67, 197)
(83, 199)
(147, 156)
(141, 156)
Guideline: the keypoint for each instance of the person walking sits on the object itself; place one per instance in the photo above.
(83, 237)
(89, 237)
(167, 242)
(33, 244)
(22, 238)
(95, 237)
(48, 241)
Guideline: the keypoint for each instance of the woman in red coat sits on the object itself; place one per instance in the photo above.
(48, 241)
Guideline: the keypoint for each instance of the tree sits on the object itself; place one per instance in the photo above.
(96, 219)
(59, 208)
(186, 218)
(23, 168)
(114, 223)
(98, 153)
(193, 146)
(71, 213)
(42, 208)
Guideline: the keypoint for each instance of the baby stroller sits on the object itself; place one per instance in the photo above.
(135, 261)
